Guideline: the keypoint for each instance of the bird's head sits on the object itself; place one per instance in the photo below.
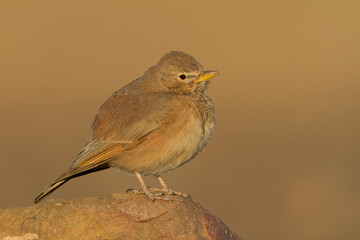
(181, 73)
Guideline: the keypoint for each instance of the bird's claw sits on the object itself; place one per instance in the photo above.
(132, 190)
(174, 193)
(152, 196)
(185, 195)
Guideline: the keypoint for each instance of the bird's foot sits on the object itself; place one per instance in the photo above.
(155, 196)
(132, 190)
(152, 196)
(170, 192)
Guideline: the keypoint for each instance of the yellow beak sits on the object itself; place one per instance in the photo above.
(207, 75)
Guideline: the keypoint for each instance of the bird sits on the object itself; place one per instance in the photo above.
(151, 126)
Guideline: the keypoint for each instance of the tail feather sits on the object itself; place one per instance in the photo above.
(94, 163)
(68, 175)
(49, 189)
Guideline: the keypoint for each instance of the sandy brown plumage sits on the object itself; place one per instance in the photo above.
(151, 126)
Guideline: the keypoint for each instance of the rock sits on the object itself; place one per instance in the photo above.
(118, 216)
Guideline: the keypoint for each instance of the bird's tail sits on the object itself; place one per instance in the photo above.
(71, 173)
(83, 166)
(49, 189)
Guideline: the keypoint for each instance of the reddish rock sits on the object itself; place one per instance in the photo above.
(119, 216)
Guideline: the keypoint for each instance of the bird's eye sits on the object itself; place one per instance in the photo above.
(182, 76)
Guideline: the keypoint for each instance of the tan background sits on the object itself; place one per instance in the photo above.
(284, 161)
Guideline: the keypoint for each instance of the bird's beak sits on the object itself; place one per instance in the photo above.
(206, 75)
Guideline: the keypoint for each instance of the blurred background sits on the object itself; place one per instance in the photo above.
(284, 160)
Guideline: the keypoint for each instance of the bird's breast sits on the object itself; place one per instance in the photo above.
(183, 134)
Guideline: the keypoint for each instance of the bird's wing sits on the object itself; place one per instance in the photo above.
(122, 123)
(127, 118)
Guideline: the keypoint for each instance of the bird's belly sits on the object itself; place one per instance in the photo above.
(169, 147)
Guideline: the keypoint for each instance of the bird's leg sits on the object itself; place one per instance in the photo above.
(167, 190)
(152, 196)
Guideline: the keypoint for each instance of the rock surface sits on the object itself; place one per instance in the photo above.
(118, 216)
